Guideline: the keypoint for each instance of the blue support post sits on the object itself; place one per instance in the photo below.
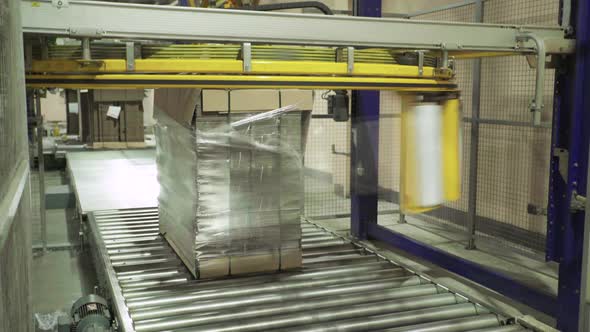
(571, 123)
(364, 154)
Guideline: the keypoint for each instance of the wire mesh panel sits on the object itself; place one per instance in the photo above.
(15, 230)
(529, 12)
(455, 213)
(327, 162)
(12, 122)
(513, 158)
(389, 146)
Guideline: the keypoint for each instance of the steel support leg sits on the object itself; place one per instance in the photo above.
(571, 123)
(364, 153)
(474, 145)
(41, 164)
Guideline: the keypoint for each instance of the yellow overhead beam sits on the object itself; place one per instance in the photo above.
(126, 81)
(213, 66)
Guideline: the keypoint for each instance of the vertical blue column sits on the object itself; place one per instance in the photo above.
(364, 153)
(571, 124)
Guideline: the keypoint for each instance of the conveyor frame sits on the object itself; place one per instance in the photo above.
(112, 229)
(112, 20)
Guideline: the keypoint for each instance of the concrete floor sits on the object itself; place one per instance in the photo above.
(60, 276)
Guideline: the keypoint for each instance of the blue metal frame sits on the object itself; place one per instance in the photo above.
(571, 123)
(571, 118)
(492, 279)
(364, 153)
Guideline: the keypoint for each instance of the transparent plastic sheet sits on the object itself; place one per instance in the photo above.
(48, 321)
(231, 195)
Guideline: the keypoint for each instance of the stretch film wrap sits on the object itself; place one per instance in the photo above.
(430, 155)
(231, 193)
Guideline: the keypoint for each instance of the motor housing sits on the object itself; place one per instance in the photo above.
(91, 313)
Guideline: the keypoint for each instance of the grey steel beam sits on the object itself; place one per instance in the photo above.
(41, 168)
(117, 20)
(474, 144)
(584, 315)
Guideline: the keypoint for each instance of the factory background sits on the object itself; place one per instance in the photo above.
(502, 221)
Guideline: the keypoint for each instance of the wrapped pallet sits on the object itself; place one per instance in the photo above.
(231, 186)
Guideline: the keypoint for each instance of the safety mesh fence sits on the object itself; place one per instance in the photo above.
(327, 163)
(452, 214)
(513, 167)
(512, 155)
(15, 228)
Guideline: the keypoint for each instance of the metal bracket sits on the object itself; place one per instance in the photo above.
(90, 64)
(566, 13)
(60, 3)
(338, 152)
(130, 55)
(247, 57)
(537, 104)
(578, 202)
(44, 48)
(560, 46)
(85, 32)
(420, 62)
(536, 210)
(349, 60)
(444, 59)
(86, 52)
(451, 46)
(531, 323)
(563, 160)
(551, 62)
(28, 56)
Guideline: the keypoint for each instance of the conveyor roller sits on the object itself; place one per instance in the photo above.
(341, 287)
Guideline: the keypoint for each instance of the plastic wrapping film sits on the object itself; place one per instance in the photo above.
(430, 155)
(231, 195)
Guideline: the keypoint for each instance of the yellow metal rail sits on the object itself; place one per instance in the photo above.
(127, 81)
(222, 66)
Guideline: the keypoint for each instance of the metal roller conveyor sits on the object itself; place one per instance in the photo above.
(341, 287)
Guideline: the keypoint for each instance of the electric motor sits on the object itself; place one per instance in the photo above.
(91, 314)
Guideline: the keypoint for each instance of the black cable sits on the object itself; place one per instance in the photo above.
(292, 5)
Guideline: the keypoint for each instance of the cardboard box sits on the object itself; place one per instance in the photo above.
(128, 127)
(302, 98)
(118, 95)
(253, 100)
(231, 199)
(215, 101)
